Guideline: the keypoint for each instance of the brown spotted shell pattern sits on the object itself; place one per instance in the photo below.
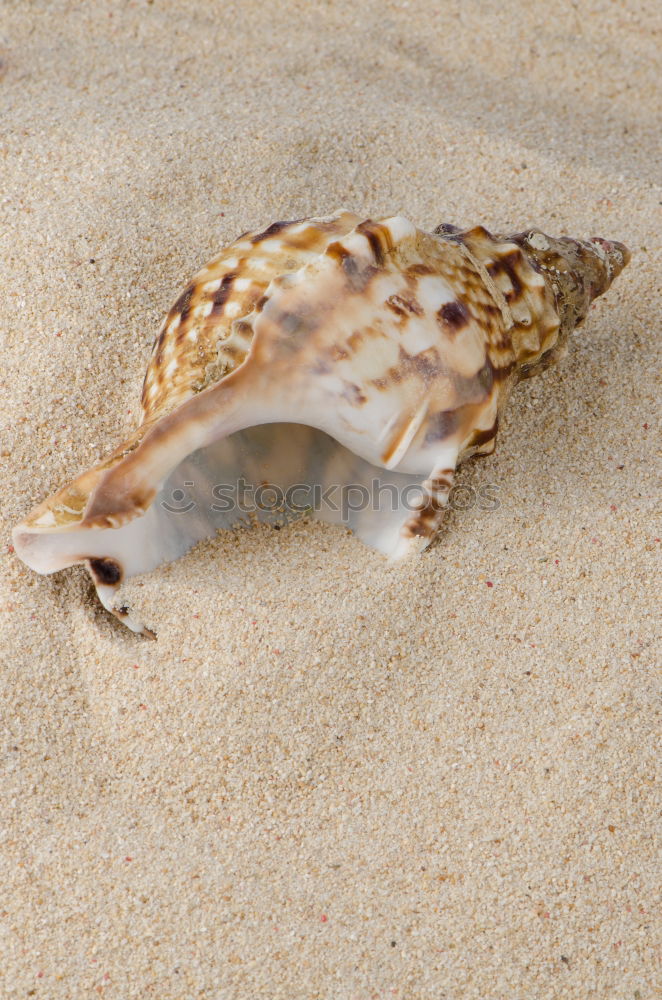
(333, 351)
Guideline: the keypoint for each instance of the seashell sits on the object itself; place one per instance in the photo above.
(317, 354)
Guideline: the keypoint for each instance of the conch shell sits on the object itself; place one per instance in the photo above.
(320, 353)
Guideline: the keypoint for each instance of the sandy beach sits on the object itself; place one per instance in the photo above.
(330, 778)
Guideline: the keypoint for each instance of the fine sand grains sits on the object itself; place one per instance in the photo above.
(327, 778)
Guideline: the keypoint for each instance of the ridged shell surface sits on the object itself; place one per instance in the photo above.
(397, 345)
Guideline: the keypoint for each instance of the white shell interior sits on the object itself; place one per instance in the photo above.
(238, 480)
